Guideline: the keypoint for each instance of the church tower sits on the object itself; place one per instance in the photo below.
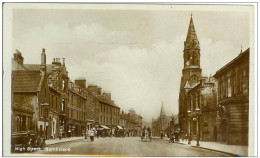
(191, 72)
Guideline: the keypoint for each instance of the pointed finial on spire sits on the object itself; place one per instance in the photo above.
(241, 49)
(191, 14)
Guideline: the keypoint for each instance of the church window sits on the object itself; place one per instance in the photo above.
(194, 78)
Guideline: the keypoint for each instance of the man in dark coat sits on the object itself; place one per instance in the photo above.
(161, 134)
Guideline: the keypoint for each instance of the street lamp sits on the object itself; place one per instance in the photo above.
(198, 127)
(189, 135)
(44, 107)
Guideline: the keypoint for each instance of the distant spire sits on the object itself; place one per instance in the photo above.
(191, 39)
(241, 49)
(162, 110)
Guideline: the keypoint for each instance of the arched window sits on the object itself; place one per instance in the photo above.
(18, 123)
(194, 78)
(63, 105)
(63, 84)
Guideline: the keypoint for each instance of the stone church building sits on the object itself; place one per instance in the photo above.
(191, 73)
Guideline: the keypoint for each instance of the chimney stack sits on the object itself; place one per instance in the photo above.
(56, 61)
(107, 95)
(99, 90)
(18, 57)
(63, 61)
(95, 89)
(43, 57)
(81, 82)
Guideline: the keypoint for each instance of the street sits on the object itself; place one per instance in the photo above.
(129, 146)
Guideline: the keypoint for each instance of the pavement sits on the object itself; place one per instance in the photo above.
(62, 140)
(236, 150)
(128, 146)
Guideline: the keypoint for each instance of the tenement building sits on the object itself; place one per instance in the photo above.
(233, 100)
(108, 113)
(77, 119)
(58, 83)
(191, 72)
(91, 104)
(202, 109)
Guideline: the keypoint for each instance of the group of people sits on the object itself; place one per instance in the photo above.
(172, 136)
(91, 133)
(175, 135)
(146, 133)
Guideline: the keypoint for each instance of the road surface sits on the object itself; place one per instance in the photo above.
(129, 146)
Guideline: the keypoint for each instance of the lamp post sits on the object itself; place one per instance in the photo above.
(189, 135)
(198, 127)
(44, 107)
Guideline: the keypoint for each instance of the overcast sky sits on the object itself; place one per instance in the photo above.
(135, 55)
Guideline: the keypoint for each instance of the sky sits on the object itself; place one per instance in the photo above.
(137, 55)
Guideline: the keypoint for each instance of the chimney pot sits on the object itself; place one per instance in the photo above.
(43, 50)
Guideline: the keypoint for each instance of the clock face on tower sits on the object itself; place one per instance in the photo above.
(188, 63)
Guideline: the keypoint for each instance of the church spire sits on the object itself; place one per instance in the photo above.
(191, 39)
(162, 110)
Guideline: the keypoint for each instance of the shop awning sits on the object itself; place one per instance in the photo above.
(119, 127)
(105, 127)
(90, 122)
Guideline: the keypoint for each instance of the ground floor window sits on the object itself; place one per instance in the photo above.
(23, 123)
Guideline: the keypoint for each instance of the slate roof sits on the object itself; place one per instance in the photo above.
(36, 67)
(26, 81)
(244, 54)
(104, 100)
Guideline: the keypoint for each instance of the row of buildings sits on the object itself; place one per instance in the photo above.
(214, 108)
(45, 100)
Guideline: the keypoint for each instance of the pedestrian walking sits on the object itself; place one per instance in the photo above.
(161, 134)
(190, 136)
(86, 134)
(177, 135)
(69, 133)
(92, 134)
(60, 136)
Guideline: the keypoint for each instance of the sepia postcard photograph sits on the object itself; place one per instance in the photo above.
(129, 80)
